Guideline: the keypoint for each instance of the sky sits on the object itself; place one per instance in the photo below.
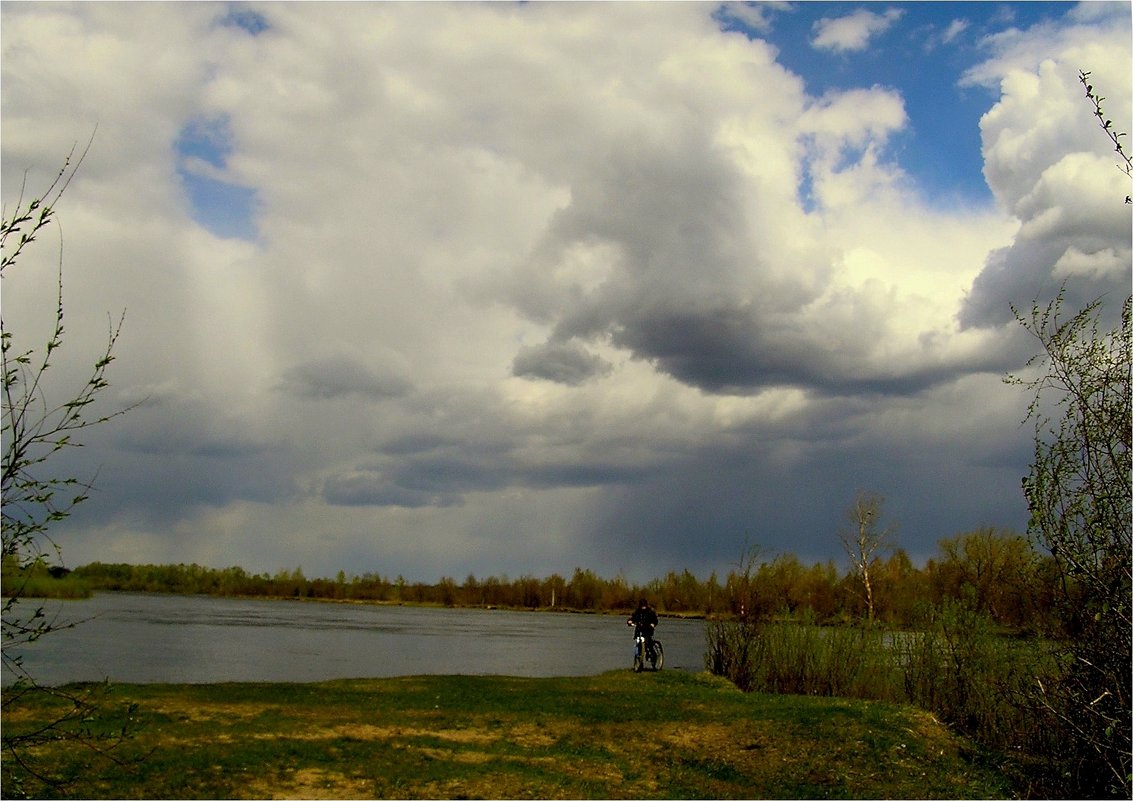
(433, 289)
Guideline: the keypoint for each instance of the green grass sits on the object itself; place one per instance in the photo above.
(619, 734)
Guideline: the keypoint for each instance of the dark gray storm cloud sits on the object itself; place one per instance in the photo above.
(742, 349)
(444, 478)
(563, 362)
(728, 351)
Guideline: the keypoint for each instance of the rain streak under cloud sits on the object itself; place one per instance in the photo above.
(438, 289)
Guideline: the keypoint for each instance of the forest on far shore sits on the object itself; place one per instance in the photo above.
(997, 573)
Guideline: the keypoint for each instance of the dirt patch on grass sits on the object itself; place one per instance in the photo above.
(534, 777)
(209, 712)
(369, 732)
(713, 738)
(451, 755)
(527, 735)
(311, 783)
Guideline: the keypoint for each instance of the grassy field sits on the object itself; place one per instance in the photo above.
(619, 734)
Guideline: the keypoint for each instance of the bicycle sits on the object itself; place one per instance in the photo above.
(652, 654)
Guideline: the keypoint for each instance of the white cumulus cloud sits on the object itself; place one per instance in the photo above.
(853, 31)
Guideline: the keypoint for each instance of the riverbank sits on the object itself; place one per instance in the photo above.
(673, 734)
(72, 588)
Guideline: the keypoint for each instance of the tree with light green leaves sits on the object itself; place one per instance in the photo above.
(41, 419)
(1078, 492)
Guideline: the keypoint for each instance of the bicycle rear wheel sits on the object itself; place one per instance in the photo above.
(657, 658)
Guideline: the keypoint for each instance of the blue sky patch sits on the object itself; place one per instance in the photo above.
(219, 204)
(920, 50)
(239, 16)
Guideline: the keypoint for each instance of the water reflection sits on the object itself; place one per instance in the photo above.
(129, 637)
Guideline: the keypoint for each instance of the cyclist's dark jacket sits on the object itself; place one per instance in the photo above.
(644, 620)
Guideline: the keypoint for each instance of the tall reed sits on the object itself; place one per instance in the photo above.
(806, 659)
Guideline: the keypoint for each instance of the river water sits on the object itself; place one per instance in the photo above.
(146, 638)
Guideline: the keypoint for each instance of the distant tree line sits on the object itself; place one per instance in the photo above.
(995, 572)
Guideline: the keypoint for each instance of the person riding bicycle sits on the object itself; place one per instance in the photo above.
(644, 621)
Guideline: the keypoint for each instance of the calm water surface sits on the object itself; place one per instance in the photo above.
(142, 638)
